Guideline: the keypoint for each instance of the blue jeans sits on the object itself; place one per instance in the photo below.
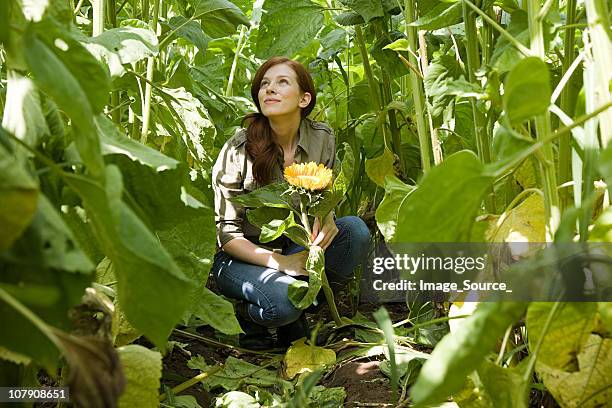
(265, 289)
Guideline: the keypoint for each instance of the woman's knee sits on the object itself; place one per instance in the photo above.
(281, 313)
(358, 232)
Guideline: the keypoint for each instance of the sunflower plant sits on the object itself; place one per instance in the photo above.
(289, 208)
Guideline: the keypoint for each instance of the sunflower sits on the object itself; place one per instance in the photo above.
(308, 176)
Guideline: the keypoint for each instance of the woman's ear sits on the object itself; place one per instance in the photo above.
(305, 100)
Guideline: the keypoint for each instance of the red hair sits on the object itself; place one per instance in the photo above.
(260, 144)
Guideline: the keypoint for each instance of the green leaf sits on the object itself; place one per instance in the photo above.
(61, 75)
(162, 199)
(142, 265)
(215, 311)
(349, 18)
(442, 15)
(398, 45)
(527, 90)
(605, 313)
(236, 399)
(368, 9)
(505, 55)
(441, 73)
(380, 167)
(23, 115)
(142, 369)
(123, 45)
(287, 27)
(275, 228)
(501, 384)
(5, 16)
(236, 373)
(396, 191)
(302, 358)
(302, 294)
(194, 125)
(219, 17)
(589, 386)
(331, 198)
(567, 334)
(18, 199)
(190, 31)
(458, 354)
(456, 187)
(114, 141)
(268, 196)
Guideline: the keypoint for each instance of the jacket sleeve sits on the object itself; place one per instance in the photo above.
(227, 182)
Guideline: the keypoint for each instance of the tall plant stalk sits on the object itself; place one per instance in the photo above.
(146, 112)
(567, 105)
(542, 122)
(239, 45)
(473, 63)
(597, 17)
(418, 93)
(98, 17)
(372, 85)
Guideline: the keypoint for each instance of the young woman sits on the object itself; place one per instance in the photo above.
(275, 137)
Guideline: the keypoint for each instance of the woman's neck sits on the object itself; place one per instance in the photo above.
(286, 130)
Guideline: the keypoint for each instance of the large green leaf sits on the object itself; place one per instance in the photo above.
(287, 27)
(215, 311)
(60, 69)
(442, 15)
(527, 90)
(275, 228)
(151, 287)
(380, 167)
(23, 115)
(5, 15)
(368, 9)
(505, 55)
(463, 351)
(396, 192)
(46, 272)
(219, 17)
(589, 385)
(163, 199)
(190, 31)
(567, 334)
(269, 196)
(18, 199)
(192, 122)
(142, 369)
(302, 294)
(455, 187)
(501, 384)
(331, 198)
(114, 141)
(123, 45)
(237, 372)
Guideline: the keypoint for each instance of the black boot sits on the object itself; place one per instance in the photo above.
(287, 334)
(255, 336)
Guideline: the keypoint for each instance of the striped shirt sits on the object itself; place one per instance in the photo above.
(233, 175)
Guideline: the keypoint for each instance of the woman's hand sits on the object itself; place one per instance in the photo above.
(324, 236)
(294, 264)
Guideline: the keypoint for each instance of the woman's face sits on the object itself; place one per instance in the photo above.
(280, 94)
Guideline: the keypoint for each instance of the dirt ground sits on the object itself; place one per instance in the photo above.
(363, 381)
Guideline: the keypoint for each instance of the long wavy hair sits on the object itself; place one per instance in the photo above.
(260, 145)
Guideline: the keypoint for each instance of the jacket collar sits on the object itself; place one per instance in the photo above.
(303, 135)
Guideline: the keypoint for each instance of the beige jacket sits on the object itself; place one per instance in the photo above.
(233, 175)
